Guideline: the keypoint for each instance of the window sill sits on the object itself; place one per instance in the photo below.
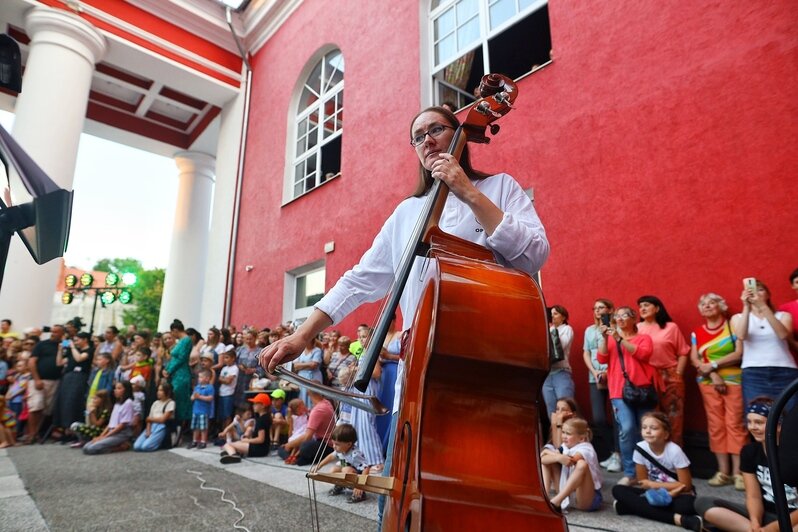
(317, 187)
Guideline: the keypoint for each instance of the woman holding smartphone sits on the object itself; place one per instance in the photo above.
(768, 366)
(603, 427)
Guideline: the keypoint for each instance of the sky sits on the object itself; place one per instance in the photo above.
(124, 203)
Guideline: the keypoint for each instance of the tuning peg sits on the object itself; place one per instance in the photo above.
(504, 99)
(485, 109)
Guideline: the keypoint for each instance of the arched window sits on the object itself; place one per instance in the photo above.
(471, 38)
(318, 125)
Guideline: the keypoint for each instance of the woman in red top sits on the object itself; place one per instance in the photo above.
(637, 349)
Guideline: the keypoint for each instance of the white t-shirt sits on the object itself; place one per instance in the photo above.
(519, 241)
(159, 407)
(672, 457)
(226, 390)
(762, 347)
(589, 454)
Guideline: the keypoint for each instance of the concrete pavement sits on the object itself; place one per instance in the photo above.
(66, 490)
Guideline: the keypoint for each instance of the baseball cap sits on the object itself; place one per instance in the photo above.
(261, 398)
(278, 394)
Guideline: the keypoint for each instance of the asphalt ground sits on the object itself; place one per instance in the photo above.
(154, 491)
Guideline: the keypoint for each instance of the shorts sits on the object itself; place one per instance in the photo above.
(199, 422)
(42, 400)
(595, 505)
(225, 407)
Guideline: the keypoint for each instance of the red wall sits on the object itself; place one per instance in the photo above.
(662, 145)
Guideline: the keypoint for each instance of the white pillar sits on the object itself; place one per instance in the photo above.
(213, 299)
(185, 275)
(50, 112)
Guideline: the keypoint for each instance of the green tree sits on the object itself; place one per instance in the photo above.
(147, 291)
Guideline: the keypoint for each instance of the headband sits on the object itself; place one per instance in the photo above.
(758, 408)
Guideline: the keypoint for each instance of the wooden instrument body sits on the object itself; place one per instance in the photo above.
(466, 454)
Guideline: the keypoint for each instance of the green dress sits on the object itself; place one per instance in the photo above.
(180, 378)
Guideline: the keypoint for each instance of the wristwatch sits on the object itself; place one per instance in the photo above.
(714, 365)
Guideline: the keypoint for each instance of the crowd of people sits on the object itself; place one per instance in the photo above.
(151, 391)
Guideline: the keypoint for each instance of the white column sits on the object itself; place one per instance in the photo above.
(185, 275)
(213, 299)
(50, 112)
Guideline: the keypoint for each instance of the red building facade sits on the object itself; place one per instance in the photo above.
(660, 143)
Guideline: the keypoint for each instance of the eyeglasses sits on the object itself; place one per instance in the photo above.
(434, 132)
(622, 316)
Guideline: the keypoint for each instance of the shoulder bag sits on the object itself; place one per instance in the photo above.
(633, 394)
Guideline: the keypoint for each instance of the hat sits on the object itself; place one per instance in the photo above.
(229, 348)
(278, 394)
(356, 348)
(261, 398)
(207, 354)
(138, 379)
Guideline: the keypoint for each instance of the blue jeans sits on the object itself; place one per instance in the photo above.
(768, 381)
(557, 385)
(387, 470)
(153, 442)
(627, 419)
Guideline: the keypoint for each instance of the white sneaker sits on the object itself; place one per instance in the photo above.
(615, 464)
(624, 481)
(605, 463)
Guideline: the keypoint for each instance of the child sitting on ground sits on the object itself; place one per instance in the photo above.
(8, 425)
(297, 422)
(759, 511)
(279, 410)
(659, 463)
(348, 457)
(96, 419)
(241, 427)
(580, 478)
(201, 401)
(138, 384)
(257, 445)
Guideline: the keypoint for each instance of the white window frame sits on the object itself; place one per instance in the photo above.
(296, 116)
(485, 35)
(290, 312)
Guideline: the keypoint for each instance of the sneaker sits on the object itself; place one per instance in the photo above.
(191, 445)
(624, 481)
(201, 445)
(230, 459)
(336, 490)
(692, 522)
(720, 479)
(605, 463)
(619, 509)
(614, 465)
(739, 483)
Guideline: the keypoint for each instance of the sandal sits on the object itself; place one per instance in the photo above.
(352, 499)
(291, 460)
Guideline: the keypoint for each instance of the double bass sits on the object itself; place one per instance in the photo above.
(466, 452)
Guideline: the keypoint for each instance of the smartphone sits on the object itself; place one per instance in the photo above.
(605, 319)
(65, 343)
(749, 283)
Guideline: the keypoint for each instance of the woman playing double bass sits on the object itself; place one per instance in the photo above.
(490, 210)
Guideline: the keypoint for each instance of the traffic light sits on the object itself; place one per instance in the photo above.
(125, 297)
(111, 279)
(129, 278)
(107, 298)
(67, 297)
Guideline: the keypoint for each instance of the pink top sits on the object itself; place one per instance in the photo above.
(792, 308)
(322, 420)
(669, 344)
(637, 367)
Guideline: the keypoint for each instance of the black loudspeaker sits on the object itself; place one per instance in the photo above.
(10, 64)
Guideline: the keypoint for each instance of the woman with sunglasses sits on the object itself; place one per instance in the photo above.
(636, 350)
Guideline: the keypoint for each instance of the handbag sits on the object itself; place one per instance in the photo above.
(556, 352)
(633, 394)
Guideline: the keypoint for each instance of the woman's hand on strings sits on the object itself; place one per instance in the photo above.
(448, 169)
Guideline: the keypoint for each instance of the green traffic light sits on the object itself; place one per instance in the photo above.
(125, 297)
(107, 298)
(129, 278)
